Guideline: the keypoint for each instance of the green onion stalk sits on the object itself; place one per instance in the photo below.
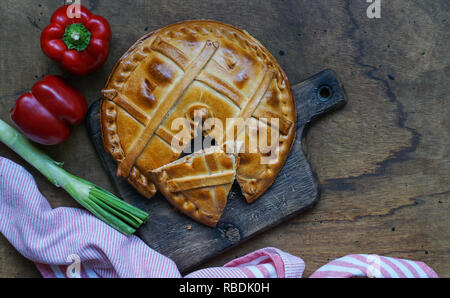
(117, 213)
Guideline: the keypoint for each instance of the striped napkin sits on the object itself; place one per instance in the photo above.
(70, 242)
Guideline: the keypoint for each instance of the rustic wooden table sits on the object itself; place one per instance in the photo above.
(383, 161)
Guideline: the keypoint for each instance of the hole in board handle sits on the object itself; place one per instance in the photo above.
(324, 92)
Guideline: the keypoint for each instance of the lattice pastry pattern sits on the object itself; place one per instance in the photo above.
(194, 65)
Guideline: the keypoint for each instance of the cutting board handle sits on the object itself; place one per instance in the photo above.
(320, 94)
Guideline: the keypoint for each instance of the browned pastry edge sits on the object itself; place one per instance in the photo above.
(189, 209)
(145, 186)
(111, 143)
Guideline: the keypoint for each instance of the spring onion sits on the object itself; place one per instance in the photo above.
(118, 214)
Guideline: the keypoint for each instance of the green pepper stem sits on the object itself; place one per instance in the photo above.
(77, 37)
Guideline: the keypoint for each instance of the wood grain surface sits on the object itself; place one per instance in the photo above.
(383, 162)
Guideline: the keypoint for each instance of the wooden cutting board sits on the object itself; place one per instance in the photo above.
(294, 190)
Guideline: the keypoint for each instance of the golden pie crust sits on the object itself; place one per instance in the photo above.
(198, 184)
(187, 66)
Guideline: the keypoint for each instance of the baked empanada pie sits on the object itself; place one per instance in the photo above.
(197, 67)
(198, 184)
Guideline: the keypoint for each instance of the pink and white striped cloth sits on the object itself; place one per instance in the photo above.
(70, 242)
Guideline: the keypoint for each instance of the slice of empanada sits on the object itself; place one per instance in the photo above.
(198, 184)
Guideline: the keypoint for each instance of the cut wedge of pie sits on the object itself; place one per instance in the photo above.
(198, 184)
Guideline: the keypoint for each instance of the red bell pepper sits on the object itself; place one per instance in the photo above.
(80, 45)
(47, 113)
